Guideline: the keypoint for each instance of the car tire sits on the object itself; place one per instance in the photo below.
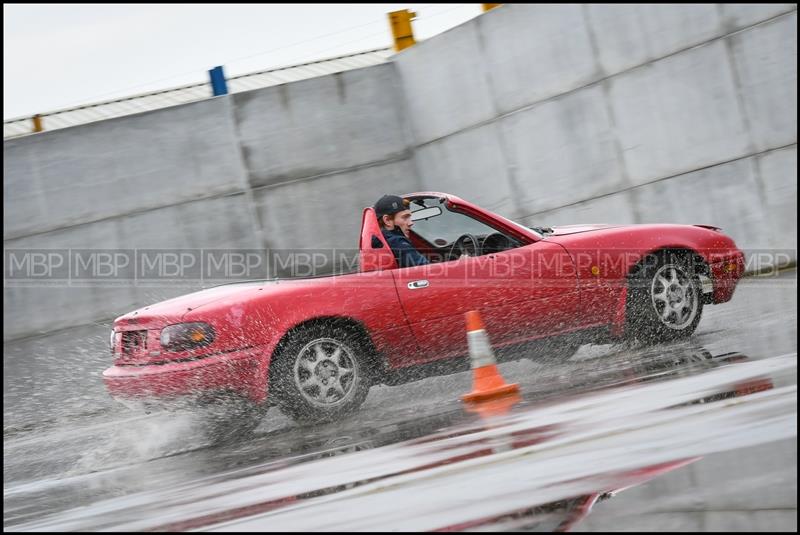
(321, 372)
(665, 300)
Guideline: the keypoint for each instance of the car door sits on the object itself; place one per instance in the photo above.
(520, 293)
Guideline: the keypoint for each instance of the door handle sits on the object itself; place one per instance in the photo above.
(416, 285)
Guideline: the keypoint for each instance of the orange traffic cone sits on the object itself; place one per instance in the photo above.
(487, 381)
(494, 407)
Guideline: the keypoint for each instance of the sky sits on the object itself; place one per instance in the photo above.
(58, 56)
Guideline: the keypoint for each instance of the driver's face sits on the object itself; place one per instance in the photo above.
(403, 221)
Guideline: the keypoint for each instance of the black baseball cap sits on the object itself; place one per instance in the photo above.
(390, 205)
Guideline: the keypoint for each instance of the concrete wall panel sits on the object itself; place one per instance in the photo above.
(564, 150)
(613, 209)
(471, 165)
(321, 125)
(678, 114)
(778, 171)
(535, 51)
(737, 16)
(115, 167)
(769, 89)
(445, 84)
(628, 35)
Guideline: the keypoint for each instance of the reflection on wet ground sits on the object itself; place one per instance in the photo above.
(571, 439)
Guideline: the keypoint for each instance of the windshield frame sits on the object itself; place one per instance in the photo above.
(520, 232)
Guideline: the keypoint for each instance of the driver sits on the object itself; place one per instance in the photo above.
(394, 218)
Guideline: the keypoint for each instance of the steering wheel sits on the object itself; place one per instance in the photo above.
(494, 243)
(466, 244)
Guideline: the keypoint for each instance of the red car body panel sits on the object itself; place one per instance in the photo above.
(238, 371)
(572, 279)
(615, 250)
(533, 286)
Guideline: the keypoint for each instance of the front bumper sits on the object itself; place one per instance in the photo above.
(726, 270)
(243, 372)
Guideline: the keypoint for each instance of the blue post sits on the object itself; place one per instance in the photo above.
(218, 84)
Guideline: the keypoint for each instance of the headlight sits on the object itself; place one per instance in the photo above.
(185, 336)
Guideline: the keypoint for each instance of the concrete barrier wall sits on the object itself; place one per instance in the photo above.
(548, 114)
(120, 166)
(619, 114)
(321, 125)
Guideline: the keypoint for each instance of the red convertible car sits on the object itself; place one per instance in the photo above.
(314, 346)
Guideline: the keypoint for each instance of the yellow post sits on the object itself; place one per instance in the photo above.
(403, 34)
(487, 7)
(37, 123)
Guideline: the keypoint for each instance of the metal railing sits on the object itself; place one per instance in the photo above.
(153, 100)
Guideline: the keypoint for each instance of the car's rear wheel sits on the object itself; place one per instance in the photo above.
(664, 299)
(320, 372)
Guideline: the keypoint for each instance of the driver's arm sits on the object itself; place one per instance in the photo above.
(405, 253)
(410, 256)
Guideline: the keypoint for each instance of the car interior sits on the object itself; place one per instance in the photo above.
(443, 234)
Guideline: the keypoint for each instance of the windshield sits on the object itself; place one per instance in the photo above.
(444, 226)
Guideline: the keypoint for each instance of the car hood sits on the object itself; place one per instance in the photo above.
(564, 230)
(172, 310)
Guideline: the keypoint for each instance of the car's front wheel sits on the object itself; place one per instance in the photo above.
(664, 299)
(320, 372)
